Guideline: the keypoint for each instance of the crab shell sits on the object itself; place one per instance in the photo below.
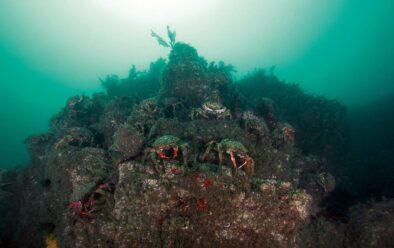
(165, 141)
(232, 146)
(149, 104)
(288, 131)
(214, 108)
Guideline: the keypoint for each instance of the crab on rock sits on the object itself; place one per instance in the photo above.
(284, 134)
(238, 154)
(95, 202)
(211, 110)
(148, 107)
(167, 147)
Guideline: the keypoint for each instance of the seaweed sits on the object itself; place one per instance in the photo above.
(171, 36)
(321, 124)
(138, 85)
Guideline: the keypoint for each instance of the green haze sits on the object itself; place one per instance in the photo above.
(51, 49)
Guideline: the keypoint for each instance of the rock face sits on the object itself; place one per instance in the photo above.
(202, 208)
(372, 225)
(99, 179)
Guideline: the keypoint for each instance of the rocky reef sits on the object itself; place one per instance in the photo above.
(180, 156)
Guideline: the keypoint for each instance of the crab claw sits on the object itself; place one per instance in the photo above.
(175, 152)
(162, 155)
(76, 206)
(242, 165)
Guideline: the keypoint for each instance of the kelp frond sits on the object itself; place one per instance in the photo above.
(160, 40)
(171, 34)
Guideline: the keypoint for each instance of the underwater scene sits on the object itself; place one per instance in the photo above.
(220, 123)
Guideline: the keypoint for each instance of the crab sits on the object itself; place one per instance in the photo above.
(172, 106)
(253, 124)
(74, 101)
(288, 132)
(211, 110)
(284, 134)
(95, 202)
(167, 147)
(239, 155)
(75, 136)
(77, 105)
(148, 107)
(326, 180)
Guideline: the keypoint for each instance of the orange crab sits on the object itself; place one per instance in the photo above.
(95, 202)
(167, 147)
(288, 133)
(239, 155)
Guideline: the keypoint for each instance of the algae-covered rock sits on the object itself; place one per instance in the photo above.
(128, 141)
(197, 209)
(186, 77)
(371, 225)
(188, 163)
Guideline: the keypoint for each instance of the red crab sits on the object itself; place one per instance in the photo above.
(93, 204)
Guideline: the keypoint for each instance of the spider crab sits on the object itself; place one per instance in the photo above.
(284, 134)
(239, 155)
(211, 110)
(288, 133)
(253, 124)
(95, 202)
(148, 107)
(167, 147)
(327, 181)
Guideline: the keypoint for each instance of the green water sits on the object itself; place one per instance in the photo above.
(50, 50)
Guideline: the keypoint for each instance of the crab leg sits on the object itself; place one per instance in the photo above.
(233, 159)
(161, 154)
(205, 155)
(242, 165)
(175, 152)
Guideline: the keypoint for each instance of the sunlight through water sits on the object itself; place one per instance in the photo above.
(156, 11)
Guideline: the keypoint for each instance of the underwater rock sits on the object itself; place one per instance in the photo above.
(217, 169)
(128, 141)
(114, 115)
(265, 107)
(186, 78)
(284, 135)
(255, 126)
(367, 225)
(39, 145)
(321, 124)
(80, 111)
(323, 232)
(75, 136)
(371, 225)
(314, 177)
(196, 209)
